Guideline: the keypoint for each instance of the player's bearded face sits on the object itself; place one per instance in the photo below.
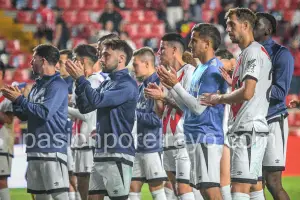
(37, 64)
(109, 60)
(234, 29)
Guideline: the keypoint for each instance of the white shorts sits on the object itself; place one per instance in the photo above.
(275, 155)
(83, 161)
(71, 161)
(5, 164)
(248, 151)
(148, 167)
(47, 173)
(205, 165)
(178, 162)
(111, 175)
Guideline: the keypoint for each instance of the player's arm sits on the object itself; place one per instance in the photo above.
(53, 99)
(245, 93)
(283, 70)
(148, 118)
(75, 113)
(93, 99)
(159, 107)
(252, 66)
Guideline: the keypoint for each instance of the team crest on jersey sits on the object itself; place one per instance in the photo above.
(38, 97)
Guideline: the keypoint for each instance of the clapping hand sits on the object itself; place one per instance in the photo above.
(75, 69)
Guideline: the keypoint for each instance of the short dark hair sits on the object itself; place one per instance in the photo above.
(120, 45)
(2, 69)
(210, 31)
(44, 2)
(85, 50)
(66, 52)
(49, 52)
(108, 37)
(243, 14)
(224, 54)
(145, 51)
(174, 37)
(270, 18)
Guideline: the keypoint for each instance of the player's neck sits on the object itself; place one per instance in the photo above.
(151, 71)
(246, 41)
(48, 71)
(205, 57)
(177, 65)
(1, 84)
(263, 39)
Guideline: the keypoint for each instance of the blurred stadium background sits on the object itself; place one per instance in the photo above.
(67, 23)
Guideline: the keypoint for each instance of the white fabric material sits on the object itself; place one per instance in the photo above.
(4, 194)
(72, 195)
(253, 62)
(159, 194)
(187, 196)
(190, 102)
(170, 194)
(197, 194)
(257, 195)
(134, 196)
(226, 193)
(240, 196)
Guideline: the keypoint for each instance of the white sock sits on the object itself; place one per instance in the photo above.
(72, 196)
(226, 193)
(77, 196)
(60, 196)
(134, 196)
(107, 198)
(159, 194)
(42, 197)
(187, 196)
(197, 194)
(170, 194)
(257, 195)
(240, 196)
(4, 194)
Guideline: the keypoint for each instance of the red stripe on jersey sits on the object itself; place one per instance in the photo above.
(237, 106)
(173, 120)
(265, 51)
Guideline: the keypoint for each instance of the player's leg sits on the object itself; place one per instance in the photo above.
(155, 174)
(170, 168)
(248, 151)
(183, 169)
(5, 169)
(225, 173)
(112, 176)
(138, 177)
(205, 169)
(275, 157)
(72, 177)
(83, 168)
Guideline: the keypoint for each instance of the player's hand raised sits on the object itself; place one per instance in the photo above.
(154, 91)
(75, 69)
(225, 75)
(209, 99)
(294, 104)
(11, 92)
(167, 78)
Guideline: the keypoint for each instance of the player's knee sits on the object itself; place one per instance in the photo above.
(273, 180)
(183, 188)
(3, 183)
(240, 187)
(136, 186)
(155, 185)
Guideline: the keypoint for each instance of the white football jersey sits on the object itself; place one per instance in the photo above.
(173, 118)
(85, 127)
(6, 136)
(253, 63)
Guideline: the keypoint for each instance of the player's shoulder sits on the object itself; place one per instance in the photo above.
(214, 66)
(253, 48)
(188, 67)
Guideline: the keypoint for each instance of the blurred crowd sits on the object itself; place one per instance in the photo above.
(56, 27)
